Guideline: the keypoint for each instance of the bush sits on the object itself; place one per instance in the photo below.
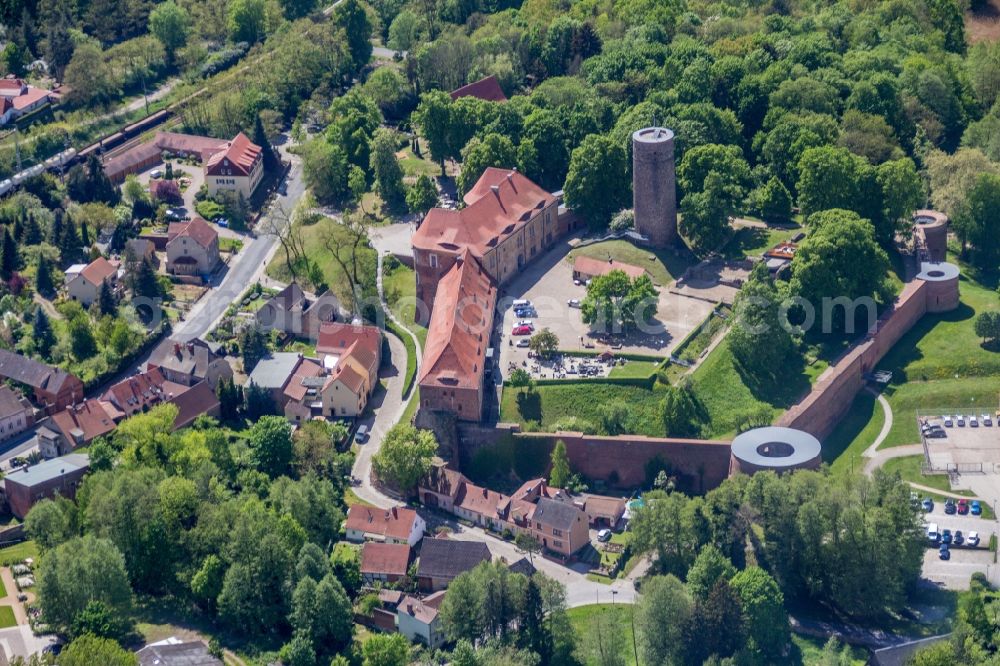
(223, 60)
(209, 209)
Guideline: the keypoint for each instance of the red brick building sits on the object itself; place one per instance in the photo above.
(58, 476)
(53, 388)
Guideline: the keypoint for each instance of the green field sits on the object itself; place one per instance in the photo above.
(663, 266)
(726, 396)
(585, 621)
(548, 404)
(18, 552)
(635, 369)
(7, 617)
(400, 286)
(909, 469)
(855, 433)
(752, 241)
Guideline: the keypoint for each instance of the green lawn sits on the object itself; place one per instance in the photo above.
(7, 617)
(400, 285)
(414, 166)
(18, 552)
(751, 242)
(726, 397)
(635, 369)
(855, 433)
(909, 469)
(548, 404)
(603, 617)
(664, 266)
(692, 348)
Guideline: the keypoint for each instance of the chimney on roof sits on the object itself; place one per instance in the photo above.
(496, 190)
(409, 608)
(190, 347)
(177, 348)
(395, 514)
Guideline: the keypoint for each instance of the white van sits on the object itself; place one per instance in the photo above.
(521, 303)
(932, 533)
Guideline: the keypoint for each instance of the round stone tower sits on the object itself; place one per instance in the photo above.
(654, 190)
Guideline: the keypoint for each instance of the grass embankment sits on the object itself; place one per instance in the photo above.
(400, 285)
(909, 469)
(549, 404)
(663, 266)
(857, 431)
(18, 552)
(600, 618)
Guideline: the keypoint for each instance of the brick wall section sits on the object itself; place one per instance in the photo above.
(819, 411)
(621, 461)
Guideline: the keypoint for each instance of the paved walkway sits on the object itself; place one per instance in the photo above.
(886, 425)
(880, 457)
(20, 616)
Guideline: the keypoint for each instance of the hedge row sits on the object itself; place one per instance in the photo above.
(641, 382)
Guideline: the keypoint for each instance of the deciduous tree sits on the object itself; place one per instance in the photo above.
(405, 456)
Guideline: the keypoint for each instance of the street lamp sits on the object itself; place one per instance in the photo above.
(614, 593)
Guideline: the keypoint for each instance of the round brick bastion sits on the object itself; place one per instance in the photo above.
(942, 281)
(774, 448)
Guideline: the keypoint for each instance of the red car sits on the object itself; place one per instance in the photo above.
(521, 330)
(963, 506)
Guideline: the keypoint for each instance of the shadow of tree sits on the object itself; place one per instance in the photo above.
(529, 406)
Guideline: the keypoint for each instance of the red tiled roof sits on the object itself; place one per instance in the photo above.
(89, 418)
(396, 522)
(591, 266)
(98, 271)
(501, 202)
(488, 89)
(459, 329)
(198, 230)
(11, 85)
(239, 156)
(349, 376)
(30, 97)
(192, 403)
(385, 558)
(306, 368)
(480, 500)
(340, 340)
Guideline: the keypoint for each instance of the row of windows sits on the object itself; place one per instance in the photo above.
(13, 426)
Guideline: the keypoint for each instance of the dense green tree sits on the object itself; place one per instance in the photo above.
(89, 649)
(386, 650)
(405, 456)
(660, 619)
(902, 192)
(764, 610)
(673, 527)
(493, 150)
(829, 178)
(252, 342)
(774, 201)
(42, 334)
(50, 522)
(615, 303)
(322, 612)
(299, 651)
(979, 222)
(79, 571)
(385, 167)
(10, 258)
(681, 414)
(106, 303)
(758, 338)
(170, 23)
(247, 21)
(354, 120)
(560, 473)
(81, 337)
(597, 184)
(433, 117)
(544, 343)
(324, 167)
(700, 161)
(294, 9)
(705, 214)
(350, 15)
(987, 326)
(708, 568)
(270, 441)
(715, 627)
(43, 277)
(96, 619)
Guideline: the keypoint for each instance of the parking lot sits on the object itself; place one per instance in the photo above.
(548, 283)
(955, 572)
(962, 447)
(194, 173)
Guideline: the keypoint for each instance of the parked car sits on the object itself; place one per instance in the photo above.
(524, 342)
(604, 535)
(222, 222)
(573, 302)
(972, 540)
(975, 508)
(943, 552)
(947, 421)
(156, 174)
(958, 539)
(987, 420)
(963, 506)
(973, 421)
(949, 506)
(361, 435)
(961, 421)
(521, 313)
(946, 536)
(521, 330)
(932, 533)
(927, 505)
(525, 322)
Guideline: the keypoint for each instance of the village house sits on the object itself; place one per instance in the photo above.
(53, 387)
(291, 312)
(419, 621)
(237, 168)
(84, 285)
(277, 371)
(199, 400)
(395, 525)
(82, 423)
(139, 249)
(29, 485)
(190, 362)
(351, 355)
(147, 155)
(192, 248)
(18, 99)
(141, 392)
(557, 520)
(487, 88)
(16, 413)
(443, 560)
(384, 562)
